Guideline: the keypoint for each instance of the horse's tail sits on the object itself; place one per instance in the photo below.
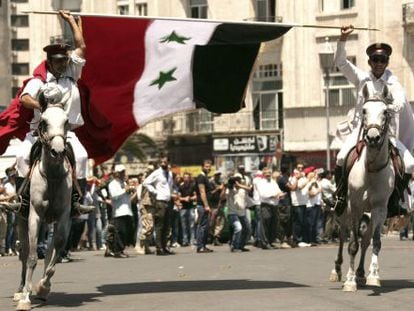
(364, 224)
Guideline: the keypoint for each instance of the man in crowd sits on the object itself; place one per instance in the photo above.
(217, 214)
(203, 189)
(121, 204)
(285, 208)
(236, 198)
(270, 194)
(160, 184)
(188, 197)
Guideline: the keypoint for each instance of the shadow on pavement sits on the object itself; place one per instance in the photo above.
(75, 300)
(387, 286)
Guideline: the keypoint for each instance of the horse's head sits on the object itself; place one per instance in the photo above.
(376, 117)
(53, 125)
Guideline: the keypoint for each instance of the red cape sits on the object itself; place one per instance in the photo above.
(15, 122)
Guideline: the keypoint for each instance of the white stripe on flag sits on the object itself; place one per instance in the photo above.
(150, 101)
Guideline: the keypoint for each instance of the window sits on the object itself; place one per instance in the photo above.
(268, 112)
(268, 71)
(201, 121)
(141, 9)
(198, 8)
(347, 4)
(20, 44)
(341, 91)
(19, 20)
(20, 69)
(265, 10)
(123, 9)
(268, 97)
(14, 91)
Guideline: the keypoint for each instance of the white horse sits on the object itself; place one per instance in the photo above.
(370, 185)
(50, 199)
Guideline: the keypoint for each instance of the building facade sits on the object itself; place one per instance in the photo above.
(285, 116)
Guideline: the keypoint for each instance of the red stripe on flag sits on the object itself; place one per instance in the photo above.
(115, 60)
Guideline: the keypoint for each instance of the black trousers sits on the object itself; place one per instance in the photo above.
(269, 218)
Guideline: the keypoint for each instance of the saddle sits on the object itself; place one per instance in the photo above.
(399, 168)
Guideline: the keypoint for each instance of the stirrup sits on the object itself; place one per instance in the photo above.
(339, 206)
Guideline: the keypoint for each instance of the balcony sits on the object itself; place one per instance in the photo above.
(408, 16)
(201, 122)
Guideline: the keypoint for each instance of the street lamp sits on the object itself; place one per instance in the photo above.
(326, 59)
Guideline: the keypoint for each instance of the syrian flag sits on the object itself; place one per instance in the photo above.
(139, 69)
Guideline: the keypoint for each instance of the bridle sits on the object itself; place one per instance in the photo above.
(382, 129)
(44, 138)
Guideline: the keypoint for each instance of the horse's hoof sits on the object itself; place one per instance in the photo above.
(349, 287)
(335, 277)
(361, 280)
(371, 281)
(24, 306)
(17, 297)
(42, 292)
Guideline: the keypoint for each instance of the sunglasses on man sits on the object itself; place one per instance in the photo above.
(379, 59)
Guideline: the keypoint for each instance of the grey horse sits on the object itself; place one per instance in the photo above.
(50, 198)
(370, 185)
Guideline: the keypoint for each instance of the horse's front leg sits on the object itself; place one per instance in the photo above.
(336, 273)
(60, 236)
(365, 231)
(23, 255)
(350, 284)
(34, 225)
(373, 278)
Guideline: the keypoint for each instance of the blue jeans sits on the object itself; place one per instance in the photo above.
(241, 230)
(202, 228)
(187, 225)
(310, 225)
(258, 224)
(299, 214)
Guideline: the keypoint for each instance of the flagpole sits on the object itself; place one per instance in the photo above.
(199, 20)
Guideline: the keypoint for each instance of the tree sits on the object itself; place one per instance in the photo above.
(138, 145)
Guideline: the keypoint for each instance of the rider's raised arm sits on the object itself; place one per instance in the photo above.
(350, 71)
(80, 46)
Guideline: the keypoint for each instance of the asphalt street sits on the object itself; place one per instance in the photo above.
(293, 279)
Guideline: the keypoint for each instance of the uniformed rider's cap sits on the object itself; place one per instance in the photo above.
(379, 49)
(57, 50)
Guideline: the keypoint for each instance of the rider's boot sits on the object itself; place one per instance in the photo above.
(77, 207)
(340, 194)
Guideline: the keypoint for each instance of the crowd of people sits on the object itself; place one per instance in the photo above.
(158, 210)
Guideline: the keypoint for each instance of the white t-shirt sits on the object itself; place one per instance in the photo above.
(121, 202)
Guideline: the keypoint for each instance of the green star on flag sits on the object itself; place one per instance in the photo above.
(164, 77)
(174, 37)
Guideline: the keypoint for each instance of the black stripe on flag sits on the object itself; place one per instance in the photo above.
(222, 68)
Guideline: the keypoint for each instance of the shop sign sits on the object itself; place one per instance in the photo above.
(245, 144)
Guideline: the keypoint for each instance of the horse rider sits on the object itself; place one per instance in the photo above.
(62, 69)
(401, 124)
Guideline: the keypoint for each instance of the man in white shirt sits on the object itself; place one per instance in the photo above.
(121, 207)
(61, 70)
(402, 123)
(269, 193)
(160, 184)
(299, 197)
